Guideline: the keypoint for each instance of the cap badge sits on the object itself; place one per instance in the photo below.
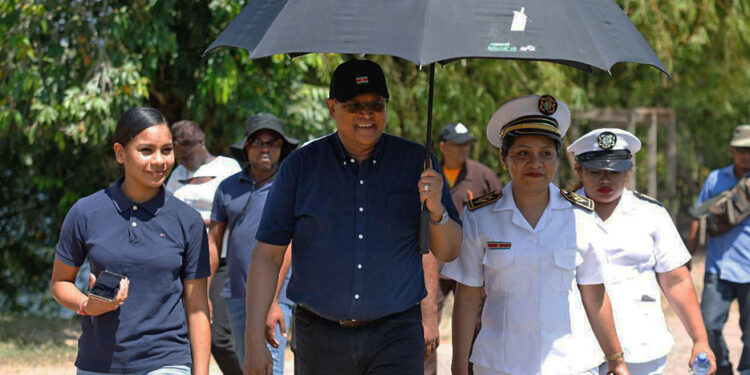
(362, 80)
(461, 129)
(606, 140)
(547, 104)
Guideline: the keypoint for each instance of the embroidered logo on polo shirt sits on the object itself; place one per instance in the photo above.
(498, 245)
(362, 80)
(162, 235)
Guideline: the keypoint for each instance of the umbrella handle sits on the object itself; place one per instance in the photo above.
(424, 230)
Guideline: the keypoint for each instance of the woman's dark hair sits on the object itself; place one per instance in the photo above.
(136, 120)
(509, 139)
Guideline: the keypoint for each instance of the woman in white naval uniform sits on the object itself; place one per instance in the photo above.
(645, 253)
(531, 247)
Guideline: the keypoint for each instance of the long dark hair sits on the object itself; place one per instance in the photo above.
(136, 120)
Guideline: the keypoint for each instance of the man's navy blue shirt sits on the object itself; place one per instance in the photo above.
(156, 244)
(354, 226)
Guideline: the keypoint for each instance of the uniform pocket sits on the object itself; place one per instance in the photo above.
(565, 260)
(499, 273)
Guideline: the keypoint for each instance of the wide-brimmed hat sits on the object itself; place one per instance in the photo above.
(609, 149)
(259, 122)
(741, 136)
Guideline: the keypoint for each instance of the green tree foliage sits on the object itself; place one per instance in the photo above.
(69, 69)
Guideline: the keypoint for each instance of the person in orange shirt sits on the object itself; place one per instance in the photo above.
(467, 179)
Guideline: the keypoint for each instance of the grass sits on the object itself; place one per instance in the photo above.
(31, 341)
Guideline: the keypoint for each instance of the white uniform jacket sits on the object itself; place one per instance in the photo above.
(533, 320)
(641, 240)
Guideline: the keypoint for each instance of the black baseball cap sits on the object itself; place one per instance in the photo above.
(456, 132)
(356, 77)
(259, 122)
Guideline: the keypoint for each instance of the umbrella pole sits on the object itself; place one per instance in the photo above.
(424, 224)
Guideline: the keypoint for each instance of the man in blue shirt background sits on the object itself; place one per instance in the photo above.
(727, 260)
(351, 203)
(237, 206)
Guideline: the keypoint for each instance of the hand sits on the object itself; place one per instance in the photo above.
(702, 346)
(210, 311)
(431, 336)
(258, 360)
(618, 367)
(95, 307)
(275, 316)
(431, 191)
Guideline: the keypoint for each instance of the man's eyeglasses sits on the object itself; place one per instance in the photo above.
(356, 107)
(257, 143)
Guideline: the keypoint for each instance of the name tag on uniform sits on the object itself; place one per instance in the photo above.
(498, 245)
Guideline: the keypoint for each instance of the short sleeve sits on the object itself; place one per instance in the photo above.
(446, 197)
(591, 269)
(71, 246)
(468, 268)
(218, 210)
(277, 222)
(669, 250)
(195, 261)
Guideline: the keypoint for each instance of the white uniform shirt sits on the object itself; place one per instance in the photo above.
(641, 239)
(533, 320)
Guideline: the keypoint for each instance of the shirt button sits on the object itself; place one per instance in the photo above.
(361, 182)
(356, 296)
(351, 160)
(359, 266)
(134, 224)
(361, 209)
(135, 208)
(359, 236)
(374, 161)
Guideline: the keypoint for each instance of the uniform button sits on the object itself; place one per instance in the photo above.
(135, 208)
(359, 266)
(361, 209)
(359, 236)
(356, 296)
(361, 182)
(134, 224)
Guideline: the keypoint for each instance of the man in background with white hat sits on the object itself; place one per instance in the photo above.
(727, 274)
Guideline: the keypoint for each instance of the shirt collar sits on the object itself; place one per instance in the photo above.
(728, 170)
(343, 156)
(123, 203)
(245, 177)
(507, 202)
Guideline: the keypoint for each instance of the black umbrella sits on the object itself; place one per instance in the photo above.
(579, 33)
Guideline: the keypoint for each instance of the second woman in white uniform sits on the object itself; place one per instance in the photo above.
(645, 254)
(532, 248)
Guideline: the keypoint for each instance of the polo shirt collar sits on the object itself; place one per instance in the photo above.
(245, 177)
(343, 156)
(123, 203)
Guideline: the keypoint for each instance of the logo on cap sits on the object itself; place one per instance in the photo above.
(547, 104)
(461, 129)
(606, 140)
(362, 80)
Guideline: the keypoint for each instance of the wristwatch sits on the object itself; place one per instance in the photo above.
(443, 219)
(616, 356)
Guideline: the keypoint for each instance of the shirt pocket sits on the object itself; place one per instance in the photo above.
(499, 273)
(565, 261)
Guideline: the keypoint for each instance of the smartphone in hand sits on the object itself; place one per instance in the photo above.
(106, 286)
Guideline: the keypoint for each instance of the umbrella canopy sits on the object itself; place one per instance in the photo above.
(578, 33)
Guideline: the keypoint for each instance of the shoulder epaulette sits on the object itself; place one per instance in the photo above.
(484, 199)
(577, 199)
(647, 198)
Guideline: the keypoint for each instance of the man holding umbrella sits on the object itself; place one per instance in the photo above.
(351, 203)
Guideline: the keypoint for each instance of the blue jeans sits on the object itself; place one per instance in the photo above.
(166, 370)
(717, 297)
(393, 345)
(237, 315)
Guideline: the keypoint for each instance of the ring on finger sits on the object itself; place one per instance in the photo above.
(426, 187)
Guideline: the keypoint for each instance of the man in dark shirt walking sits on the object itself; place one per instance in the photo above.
(351, 203)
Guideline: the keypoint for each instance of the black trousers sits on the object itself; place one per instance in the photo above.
(222, 341)
(393, 345)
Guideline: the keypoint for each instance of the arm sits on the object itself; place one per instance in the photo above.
(679, 290)
(466, 307)
(275, 316)
(599, 312)
(65, 292)
(215, 241)
(429, 305)
(195, 295)
(445, 240)
(262, 280)
(693, 237)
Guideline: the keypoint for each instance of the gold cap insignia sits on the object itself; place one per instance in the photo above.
(547, 104)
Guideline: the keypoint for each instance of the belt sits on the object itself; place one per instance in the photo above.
(353, 323)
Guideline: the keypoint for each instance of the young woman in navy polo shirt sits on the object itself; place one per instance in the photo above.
(158, 322)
